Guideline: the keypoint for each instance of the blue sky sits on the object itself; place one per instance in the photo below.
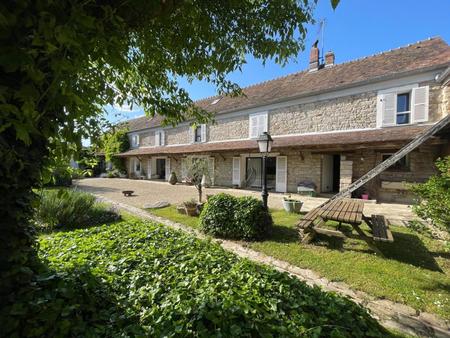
(357, 28)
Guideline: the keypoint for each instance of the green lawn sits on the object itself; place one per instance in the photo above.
(415, 270)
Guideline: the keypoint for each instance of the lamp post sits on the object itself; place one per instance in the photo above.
(265, 146)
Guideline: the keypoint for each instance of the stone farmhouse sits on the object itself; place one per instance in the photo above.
(330, 123)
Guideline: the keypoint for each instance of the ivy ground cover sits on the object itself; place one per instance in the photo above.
(415, 270)
(135, 278)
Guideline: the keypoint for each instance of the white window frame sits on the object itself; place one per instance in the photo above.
(260, 129)
(135, 163)
(408, 112)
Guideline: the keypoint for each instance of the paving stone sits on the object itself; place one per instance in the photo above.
(156, 205)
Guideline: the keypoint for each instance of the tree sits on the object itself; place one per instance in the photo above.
(114, 142)
(62, 61)
(434, 196)
(198, 169)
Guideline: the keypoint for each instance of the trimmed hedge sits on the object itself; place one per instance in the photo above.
(140, 279)
(226, 216)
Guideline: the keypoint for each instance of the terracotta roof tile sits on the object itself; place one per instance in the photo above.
(373, 136)
(428, 54)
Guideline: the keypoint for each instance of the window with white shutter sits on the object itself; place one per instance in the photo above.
(258, 124)
(203, 132)
(236, 171)
(160, 138)
(402, 105)
(135, 140)
(281, 174)
(167, 169)
(420, 104)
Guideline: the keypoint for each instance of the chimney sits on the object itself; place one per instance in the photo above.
(314, 57)
(329, 59)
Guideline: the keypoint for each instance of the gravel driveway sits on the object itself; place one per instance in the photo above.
(155, 191)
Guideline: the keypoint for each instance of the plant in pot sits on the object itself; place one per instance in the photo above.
(292, 205)
(173, 178)
(191, 207)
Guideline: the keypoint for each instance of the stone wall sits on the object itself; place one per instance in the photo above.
(349, 112)
(147, 139)
(302, 165)
(438, 101)
(229, 128)
(178, 135)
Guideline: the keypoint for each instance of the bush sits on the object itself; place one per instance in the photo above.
(70, 209)
(140, 279)
(226, 216)
(61, 177)
(434, 196)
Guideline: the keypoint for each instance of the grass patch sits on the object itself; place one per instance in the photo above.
(141, 279)
(415, 270)
(172, 214)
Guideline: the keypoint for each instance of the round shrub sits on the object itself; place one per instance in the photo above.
(252, 219)
(226, 216)
(217, 217)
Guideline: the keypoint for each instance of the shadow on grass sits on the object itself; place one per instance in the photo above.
(406, 248)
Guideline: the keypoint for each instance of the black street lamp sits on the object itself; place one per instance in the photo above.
(265, 146)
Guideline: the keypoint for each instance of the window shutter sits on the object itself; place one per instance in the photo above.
(167, 169)
(281, 174)
(236, 171)
(419, 111)
(211, 162)
(262, 124)
(184, 168)
(253, 126)
(157, 138)
(149, 168)
(203, 132)
(191, 134)
(163, 138)
(389, 107)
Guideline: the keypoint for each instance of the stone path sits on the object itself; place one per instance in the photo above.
(391, 315)
(148, 192)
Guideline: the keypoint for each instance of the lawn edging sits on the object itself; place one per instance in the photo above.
(390, 314)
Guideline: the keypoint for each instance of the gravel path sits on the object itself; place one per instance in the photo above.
(154, 191)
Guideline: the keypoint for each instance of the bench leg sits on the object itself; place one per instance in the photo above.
(309, 237)
(368, 240)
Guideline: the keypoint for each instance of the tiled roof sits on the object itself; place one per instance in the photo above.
(307, 141)
(424, 55)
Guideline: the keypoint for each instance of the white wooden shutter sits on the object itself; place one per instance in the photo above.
(203, 132)
(236, 171)
(419, 109)
(184, 168)
(191, 134)
(211, 162)
(157, 143)
(167, 168)
(389, 109)
(253, 123)
(262, 124)
(149, 168)
(281, 174)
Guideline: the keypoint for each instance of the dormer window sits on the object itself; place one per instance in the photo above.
(135, 140)
(403, 108)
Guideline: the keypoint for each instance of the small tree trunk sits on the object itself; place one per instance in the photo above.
(199, 189)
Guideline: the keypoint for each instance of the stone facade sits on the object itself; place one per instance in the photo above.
(178, 135)
(349, 112)
(229, 129)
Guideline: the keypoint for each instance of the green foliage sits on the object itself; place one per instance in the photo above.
(113, 143)
(226, 216)
(434, 196)
(144, 280)
(62, 62)
(69, 209)
(61, 177)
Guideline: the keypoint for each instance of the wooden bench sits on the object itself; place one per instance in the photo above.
(380, 229)
(127, 193)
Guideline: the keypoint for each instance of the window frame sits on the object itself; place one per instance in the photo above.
(405, 169)
(137, 163)
(406, 112)
(135, 140)
(199, 129)
(265, 128)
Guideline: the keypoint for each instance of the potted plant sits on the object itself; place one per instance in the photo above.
(291, 204)
(173, 178)
(190, 207)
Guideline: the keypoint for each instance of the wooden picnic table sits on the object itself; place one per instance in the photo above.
(349, 211)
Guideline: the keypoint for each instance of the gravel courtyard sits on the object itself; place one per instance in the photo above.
(155, 191)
